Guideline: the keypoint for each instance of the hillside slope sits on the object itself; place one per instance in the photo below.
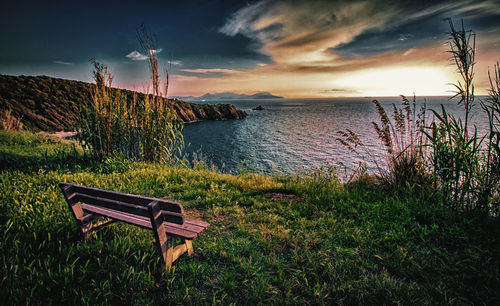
(52, 104)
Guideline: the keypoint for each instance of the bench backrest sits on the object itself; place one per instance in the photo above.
(122, 202)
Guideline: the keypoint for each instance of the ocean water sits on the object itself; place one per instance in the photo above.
(291, 135)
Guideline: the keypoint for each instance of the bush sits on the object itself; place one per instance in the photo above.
(112, 124)
(465, 164)
(403, 138)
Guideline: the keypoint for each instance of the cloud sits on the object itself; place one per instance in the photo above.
(203, 72)
(175, 63)
(138, 56)
(62, 63)
(354, 47)
(326, 32)
(294, 33)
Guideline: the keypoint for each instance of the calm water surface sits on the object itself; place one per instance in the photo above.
(290, 135)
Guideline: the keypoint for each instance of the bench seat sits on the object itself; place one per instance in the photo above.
(189, 230)
(94, 208)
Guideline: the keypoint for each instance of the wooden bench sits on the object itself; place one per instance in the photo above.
(94, 208)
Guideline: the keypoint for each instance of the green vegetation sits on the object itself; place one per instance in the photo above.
(42, 103)
(465, 165)
(300, 239)
(112, 125)
(445, 158)
(146, 128)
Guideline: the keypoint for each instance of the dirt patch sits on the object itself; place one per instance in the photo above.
(65, 135)
(276, 196)
(193, 213)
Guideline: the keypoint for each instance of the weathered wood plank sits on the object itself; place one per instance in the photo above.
(127, 198)
(112, 204)
(189, 246)
(178, 251)
(163, 243)
(120, 216)
(125, 207)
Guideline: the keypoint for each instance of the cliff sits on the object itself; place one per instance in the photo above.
(190, 112)
(51, 104)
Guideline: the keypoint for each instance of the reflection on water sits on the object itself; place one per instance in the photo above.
(289, 135)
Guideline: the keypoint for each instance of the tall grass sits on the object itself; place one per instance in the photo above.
(403, 138)
(9, 121)
(447, 156)
(147, 128)
(465, 164)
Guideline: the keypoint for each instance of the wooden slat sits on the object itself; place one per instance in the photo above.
(178, 251)
(120, 216)
(170, 206)
(128, 208)
(199, 223)
(125, 197)
(112, 204)
(173, 217)
(185, 231)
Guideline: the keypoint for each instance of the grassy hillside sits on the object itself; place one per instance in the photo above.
(51, 104)
(273, 240)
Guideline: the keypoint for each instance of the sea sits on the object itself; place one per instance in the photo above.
(297, 135)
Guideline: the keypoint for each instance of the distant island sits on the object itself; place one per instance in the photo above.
(229, 96)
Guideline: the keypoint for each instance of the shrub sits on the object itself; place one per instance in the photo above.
(9, 121)
(403, 138)
(145, 128)
(465, 164)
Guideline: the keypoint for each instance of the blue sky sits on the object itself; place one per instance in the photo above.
(290, 48)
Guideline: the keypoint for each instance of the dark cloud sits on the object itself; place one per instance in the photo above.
(417, 33)
(427, 24)
(35, 33)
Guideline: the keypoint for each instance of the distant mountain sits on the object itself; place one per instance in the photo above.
(230, 96)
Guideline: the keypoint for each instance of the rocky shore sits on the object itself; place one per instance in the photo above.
(192, 112)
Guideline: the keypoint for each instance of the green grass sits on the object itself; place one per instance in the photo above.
(320, 243)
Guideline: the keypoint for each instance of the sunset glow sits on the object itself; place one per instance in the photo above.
(427, 81)
(299, 49)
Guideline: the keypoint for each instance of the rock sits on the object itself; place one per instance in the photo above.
(258, 108)
(191, 112)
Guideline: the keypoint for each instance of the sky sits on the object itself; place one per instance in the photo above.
(296, 49)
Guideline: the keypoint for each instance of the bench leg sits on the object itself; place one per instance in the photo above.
(189, 246)
(86, 231)
(164, 243)
(91, 227)
(168, 254)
